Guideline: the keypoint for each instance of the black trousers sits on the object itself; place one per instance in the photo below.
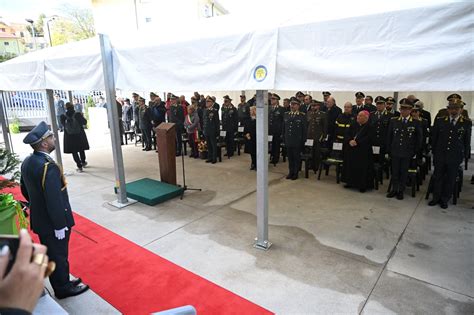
(229, 143)
(253, 156)
(58, 119)
(79, 158)
(276, 144)
(316, 155)
(211, 148)
(179, 140)
(400, 167)
(146, 135)
(444, 180)
(193, 145)
(58, 251)
(294, 160)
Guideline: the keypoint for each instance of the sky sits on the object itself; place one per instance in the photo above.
(19, 10)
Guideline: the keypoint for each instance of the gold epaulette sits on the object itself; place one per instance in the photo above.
(45, 170)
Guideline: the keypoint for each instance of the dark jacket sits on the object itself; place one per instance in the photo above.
(379, 124)
(250, 128)
(210, 124)
(275, 120)
(230, 119)
(451, 144)
(295, 129)
(404, 139)
(43, 185)
(78, 142)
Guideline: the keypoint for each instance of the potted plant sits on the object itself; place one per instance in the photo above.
(12, 216)
(15, 125)
(202, 148)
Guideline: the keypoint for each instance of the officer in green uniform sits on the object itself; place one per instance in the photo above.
(275, 126)
(452, 99)
(176, 116)
(230, 123)
(389, 102)
(243, 111)
(379, 121)
(295, 132)
(317, 130)
(451, 144)
(404, 138)
(211, 130)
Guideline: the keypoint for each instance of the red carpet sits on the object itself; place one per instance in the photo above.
(137, 281)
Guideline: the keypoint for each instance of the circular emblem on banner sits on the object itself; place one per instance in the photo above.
(260, 73)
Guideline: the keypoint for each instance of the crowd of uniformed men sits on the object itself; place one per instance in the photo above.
(359, 136)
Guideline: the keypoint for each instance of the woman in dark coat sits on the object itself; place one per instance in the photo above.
(358, 167)
(250, 134)
(75, 139)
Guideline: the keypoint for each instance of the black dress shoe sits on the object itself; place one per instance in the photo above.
(72, 291)
(347, 186)
(362, 190)
(400, 196)
(433, 203)
(208, 161)
(289, 176)
(295, 177)
(391, 194)
(213, 162)
(443, 204)
(76, 282)
(252, 167)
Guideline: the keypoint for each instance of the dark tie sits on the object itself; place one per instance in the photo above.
(453, 121)
(404, 120)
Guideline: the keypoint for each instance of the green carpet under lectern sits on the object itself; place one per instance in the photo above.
(151, 192)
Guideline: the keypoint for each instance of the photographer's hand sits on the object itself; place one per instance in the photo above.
(22, 286)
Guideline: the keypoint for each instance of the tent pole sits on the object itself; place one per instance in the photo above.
(69, 96)
(112, 116)
(261, 242)
(54, 125)
(3, 119)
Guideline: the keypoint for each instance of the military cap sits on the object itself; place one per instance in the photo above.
(173, 97)
(416, 108)
(274, 95)
(152, 94)
(380, 99)
(359, 95)
(368, 96)
(135, 94)
(390, 100)
(318, 103)
(294, 100)
(299, 93)
(406, 103)
(455, 95)
(326, 93)
(38, 134)
(227, 97)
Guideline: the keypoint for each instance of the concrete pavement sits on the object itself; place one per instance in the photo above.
(336, 251)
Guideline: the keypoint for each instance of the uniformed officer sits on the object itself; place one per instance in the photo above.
(306, 104)
(359, 105)
(243, 111)
(425, 128)
(230, 124)
(275, 126)
(211, 130)
(368, 103)
(43, 185)
(177, 117)
(379, 121)
(317, 130)
(326, 95)
(419, 104)
(343, 122)
(294, 131)
(300, 96)
(389, 102)
(333, 111)
(451, 144)
(452, 99)
(404, 138)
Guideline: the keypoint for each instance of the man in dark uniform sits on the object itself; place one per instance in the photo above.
(368, 103)
(359, 105)
(177, 117)
(294, 131)
(425, 128)
(43, 185)
(275, 126)
(326, 95)
(404, 138)
(286, 104)
(453, 98)
(230, 124)
(379, 121)
(389, 102)
(307, 101)
(317, 130)
(419, 104)
(243, 111)
(332, 113)
(451, 145)
(211, 130)
(300, 97)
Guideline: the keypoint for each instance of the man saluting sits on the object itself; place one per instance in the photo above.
(43, 185)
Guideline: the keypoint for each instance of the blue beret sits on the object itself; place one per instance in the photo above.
(38, 134)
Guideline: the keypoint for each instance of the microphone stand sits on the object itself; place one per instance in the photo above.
(185, 187)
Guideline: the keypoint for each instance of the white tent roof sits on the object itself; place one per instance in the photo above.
(427, 49)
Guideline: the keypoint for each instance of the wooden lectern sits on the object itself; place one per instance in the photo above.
(166, 143)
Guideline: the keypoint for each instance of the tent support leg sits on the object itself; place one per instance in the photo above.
(112, 115)
(261, 242)
(54, 125)
(3, 119)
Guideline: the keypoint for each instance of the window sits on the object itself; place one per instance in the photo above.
(6, 43)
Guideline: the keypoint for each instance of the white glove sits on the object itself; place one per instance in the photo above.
(60, 234)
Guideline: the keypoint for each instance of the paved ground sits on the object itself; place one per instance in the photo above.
(335, 251)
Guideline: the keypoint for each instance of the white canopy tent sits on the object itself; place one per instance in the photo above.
(426, 48)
